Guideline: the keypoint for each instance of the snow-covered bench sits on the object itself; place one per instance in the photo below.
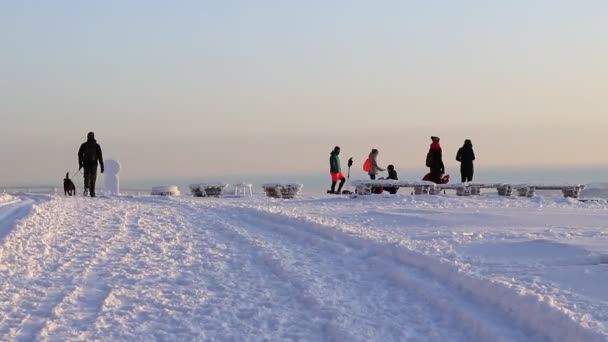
(423, 187)
(367, 187)
(282, 190)
(523, 190)
(165, 190)
(568, 190)
(208, 189)
(474, 189)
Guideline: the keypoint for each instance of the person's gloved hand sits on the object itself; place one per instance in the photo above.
(102, 169)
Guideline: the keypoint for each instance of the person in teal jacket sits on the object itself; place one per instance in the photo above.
(335, 170)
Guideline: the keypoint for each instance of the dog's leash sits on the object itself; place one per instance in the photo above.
(77, 172)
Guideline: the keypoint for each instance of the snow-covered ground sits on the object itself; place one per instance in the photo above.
(383, 268)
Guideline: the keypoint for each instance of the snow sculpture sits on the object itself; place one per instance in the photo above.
(112, 183)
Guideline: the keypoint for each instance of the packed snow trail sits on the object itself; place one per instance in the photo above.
(81, 269)
(143, 268)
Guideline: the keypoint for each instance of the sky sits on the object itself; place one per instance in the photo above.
(191, 88)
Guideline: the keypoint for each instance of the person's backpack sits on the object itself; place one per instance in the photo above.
(367, 166)
(429, 159)
(459, 155)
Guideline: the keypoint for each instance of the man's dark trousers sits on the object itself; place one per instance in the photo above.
(90, 176)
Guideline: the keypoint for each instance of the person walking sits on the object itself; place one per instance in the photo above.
(434, 161)
(374, 168)
(466, 156)
(89, 156)
(335, 170)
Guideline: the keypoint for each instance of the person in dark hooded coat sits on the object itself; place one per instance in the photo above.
(89, 156)
(466, 156)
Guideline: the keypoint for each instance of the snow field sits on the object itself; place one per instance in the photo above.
(435, 268)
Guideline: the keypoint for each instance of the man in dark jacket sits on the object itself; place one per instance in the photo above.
(89, 155)
(466, 156)
(435, 161)
(335, 169)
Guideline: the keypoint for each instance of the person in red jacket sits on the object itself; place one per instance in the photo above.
(373, 166)
(434, 161)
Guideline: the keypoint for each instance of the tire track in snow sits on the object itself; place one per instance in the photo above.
(173, 274)
(128, 282)
(356, 302)
(23, 254)
(480, 320)
(50, 255)
(515, 306)
(89, 288)
(281, 309)
(181, 275)
(270, 262)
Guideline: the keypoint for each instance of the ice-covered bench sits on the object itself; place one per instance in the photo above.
(282, 190)
(165, 190)
(568, 190)
(421, 187)
(208, 189)
(474, 189)
(367, 187)
(523, 190)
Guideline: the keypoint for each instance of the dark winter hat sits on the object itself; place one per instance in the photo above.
(434, 138)
(91, 136)
(336, 148)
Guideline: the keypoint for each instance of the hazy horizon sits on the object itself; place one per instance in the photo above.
(318, 181)
(203, 89)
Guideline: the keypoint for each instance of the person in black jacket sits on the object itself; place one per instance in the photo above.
(466, 156)
(392, 175)
(89, 156)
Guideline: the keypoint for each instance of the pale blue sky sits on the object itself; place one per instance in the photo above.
(188, 88)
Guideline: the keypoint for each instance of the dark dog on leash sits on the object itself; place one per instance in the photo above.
(69, 188)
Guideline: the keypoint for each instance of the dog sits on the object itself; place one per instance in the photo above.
(69, 189)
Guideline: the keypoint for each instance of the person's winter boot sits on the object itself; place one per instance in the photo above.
(333, 188)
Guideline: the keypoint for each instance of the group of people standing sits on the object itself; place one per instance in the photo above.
(434, 161)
